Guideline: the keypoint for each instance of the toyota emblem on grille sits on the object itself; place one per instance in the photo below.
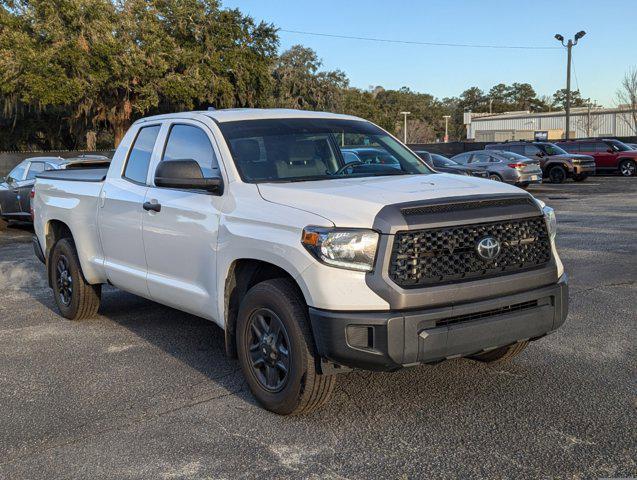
(488, 248)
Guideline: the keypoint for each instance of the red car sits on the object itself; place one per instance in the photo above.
(610, 155)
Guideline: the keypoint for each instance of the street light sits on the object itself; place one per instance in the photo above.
(446, 117)
(405, 129)
(569, 45)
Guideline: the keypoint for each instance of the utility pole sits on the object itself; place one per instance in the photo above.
(446, 117)
(405, 128)
(569, 46)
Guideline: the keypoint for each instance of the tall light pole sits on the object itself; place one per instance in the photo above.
(569, 45)
(405, 128)
(446, 117)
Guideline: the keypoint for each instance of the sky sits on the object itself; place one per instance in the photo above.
(600, 59)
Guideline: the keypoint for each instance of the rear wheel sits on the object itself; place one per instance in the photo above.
(495, 177)
(75, 298)
(580, 178)
(557, 174)
(627, 168)
(502, 354)
(276, 350)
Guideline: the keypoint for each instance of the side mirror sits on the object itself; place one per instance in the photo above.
(186, 174)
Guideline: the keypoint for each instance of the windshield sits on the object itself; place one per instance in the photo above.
(619, 146)
(296, 149)
(440, 161)
(551, 149)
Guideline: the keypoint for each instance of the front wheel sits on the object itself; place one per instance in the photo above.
(76, 299)
(276, 350)
(627, 168)
(557, 175)
(502, 354)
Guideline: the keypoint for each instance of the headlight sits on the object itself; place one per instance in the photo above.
(551, 221)
(351, 249)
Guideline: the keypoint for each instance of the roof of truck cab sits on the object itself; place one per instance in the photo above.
(235, 114)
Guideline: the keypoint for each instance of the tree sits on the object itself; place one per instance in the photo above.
(627, 98)
(113, 61)
(473, 99)
(523, 97)
(299, 82)
(559, 99)
(499, 98)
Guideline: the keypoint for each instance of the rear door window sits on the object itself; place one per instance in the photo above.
(139, 156)
(480, 157)
(602, 147)
(187, 142)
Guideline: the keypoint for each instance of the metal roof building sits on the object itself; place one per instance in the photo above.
(584, 122)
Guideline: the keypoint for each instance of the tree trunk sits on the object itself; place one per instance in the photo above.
(119, 130)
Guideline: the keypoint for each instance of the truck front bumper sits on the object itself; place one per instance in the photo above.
(394, 339)
(584, 169)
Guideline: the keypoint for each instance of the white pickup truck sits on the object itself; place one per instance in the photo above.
(312, 259)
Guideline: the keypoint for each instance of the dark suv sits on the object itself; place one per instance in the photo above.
(610, 155)
(557, 165)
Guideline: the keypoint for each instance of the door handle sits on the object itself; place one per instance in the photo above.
(155, 207)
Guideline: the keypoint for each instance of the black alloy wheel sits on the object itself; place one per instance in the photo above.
(557, 175)
(64, 281)
(269, 347)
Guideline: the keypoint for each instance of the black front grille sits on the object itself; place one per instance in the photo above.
(449, 254)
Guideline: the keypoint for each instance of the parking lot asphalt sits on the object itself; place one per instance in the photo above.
(144, 391)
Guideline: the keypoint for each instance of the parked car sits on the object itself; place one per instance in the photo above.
(610, 155)
(557, 165)
(310, 265)
(371, 156)
(16, 187)
(503, 166)
(444, 164)
(633, 146)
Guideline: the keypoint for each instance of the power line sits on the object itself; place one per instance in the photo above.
(412, 42)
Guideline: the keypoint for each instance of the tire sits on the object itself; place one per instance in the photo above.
(557, 174)
(297, 387)
(495, 177)
(627, 168)
(75, 298)
(502, 354)
(580, 178)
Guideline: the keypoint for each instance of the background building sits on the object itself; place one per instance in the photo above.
(585, 122)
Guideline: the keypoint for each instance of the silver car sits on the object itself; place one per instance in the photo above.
(503, 166)
(15, 188)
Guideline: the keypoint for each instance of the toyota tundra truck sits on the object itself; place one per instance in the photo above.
(311, 265)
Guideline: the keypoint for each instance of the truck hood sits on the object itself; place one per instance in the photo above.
(354, 202)
(570, 156)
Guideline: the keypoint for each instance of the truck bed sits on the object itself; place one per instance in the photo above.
(76, 175)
